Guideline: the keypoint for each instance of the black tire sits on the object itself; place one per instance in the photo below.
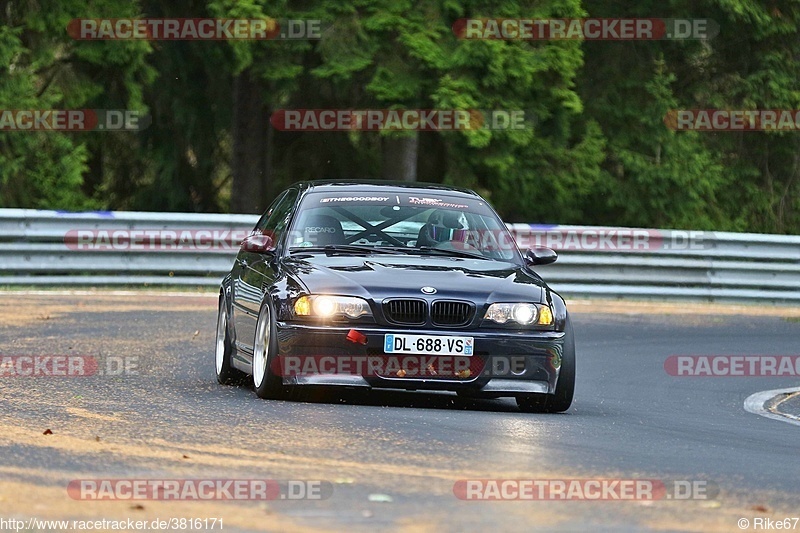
(268, 385)
(224, 349)
(565, 388)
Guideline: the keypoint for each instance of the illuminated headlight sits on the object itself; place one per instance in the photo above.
(521, 313)
(524, 313)
(324, 306)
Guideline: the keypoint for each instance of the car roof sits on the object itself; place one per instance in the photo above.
(377, 186)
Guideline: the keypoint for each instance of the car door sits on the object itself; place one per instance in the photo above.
(254, 272)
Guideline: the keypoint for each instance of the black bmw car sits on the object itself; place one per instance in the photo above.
(393, 285)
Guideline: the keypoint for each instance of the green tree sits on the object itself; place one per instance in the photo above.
(44, 69)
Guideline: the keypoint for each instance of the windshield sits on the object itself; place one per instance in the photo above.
(412, 221)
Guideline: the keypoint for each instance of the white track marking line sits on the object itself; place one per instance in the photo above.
(757, 404)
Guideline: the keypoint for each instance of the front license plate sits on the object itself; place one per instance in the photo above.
(428, 344)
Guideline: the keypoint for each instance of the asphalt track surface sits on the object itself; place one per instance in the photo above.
(392, 459)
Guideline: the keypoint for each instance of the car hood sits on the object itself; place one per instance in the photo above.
(380, 277)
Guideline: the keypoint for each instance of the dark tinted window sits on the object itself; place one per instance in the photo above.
(410, 219)
(277, 217)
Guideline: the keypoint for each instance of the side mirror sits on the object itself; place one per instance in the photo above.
(258, 243)
(541, 256)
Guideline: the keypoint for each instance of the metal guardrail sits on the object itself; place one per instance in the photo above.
(59, 249)
(45, 247)
(671, 264)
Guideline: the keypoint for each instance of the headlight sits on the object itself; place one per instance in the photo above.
(521, 313)
(324, 306)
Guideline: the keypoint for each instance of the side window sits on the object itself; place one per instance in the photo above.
(277, 217)
(262, 222)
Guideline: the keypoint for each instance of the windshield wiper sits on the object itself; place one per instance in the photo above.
(346, 249)
(450, 252)
(394, 250)
(430, 250)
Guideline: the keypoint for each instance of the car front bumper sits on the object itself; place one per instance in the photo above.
(504, 363)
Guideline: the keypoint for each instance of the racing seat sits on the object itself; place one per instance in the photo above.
(321, 230)
(442, 226)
